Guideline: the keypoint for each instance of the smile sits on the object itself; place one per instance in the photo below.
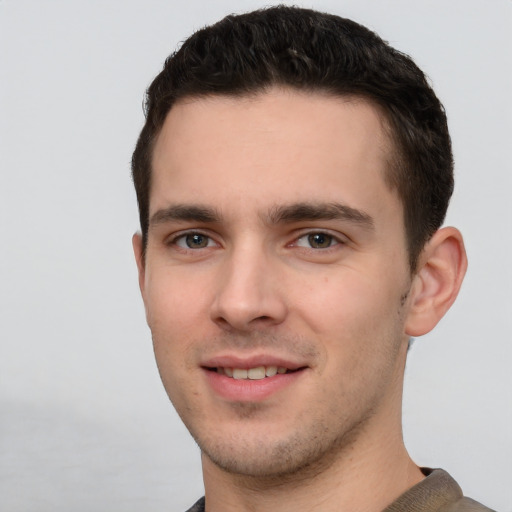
(257, 373)
(251, 381)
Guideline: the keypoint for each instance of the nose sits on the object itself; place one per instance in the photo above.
(249, 292)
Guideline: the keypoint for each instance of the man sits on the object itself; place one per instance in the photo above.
(292, 178)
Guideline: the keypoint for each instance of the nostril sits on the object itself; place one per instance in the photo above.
(232, 309)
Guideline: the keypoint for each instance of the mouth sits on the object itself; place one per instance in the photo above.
(256, 373)
(252, 379)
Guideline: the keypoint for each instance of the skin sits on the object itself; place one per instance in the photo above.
(250, 184)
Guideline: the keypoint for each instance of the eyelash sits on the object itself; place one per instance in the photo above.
(333, 241)
(183, 236)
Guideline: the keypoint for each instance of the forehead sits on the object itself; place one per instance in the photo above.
(276, 146)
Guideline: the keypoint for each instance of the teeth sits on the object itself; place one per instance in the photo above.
(257, 373)
(270, 371)
(239, 373)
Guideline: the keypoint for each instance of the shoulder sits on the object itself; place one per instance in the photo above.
(198, 506)
(466, 505)
(437, 492)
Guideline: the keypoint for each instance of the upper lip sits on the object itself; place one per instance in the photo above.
(235, 361)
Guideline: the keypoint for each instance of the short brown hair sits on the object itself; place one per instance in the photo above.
(312, 51)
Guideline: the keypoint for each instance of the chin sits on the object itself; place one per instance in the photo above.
(274, 458)
(259, 465)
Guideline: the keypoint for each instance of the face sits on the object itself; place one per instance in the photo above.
(275, 277)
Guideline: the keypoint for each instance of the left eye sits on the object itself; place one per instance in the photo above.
(317, 241)
(194, 241)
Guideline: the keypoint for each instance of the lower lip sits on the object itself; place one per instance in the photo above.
(246, 390)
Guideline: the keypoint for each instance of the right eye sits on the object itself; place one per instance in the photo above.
(193, 241)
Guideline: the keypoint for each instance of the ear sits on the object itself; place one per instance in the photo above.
(138, 251)
(436, 284)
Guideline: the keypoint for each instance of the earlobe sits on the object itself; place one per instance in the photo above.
(138, 251)
(437, 282)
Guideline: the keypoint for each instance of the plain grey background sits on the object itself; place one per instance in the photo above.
(85, 424)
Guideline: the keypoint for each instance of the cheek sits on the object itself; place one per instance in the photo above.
(176, 317)
(348, 299)
(356, 317)
(174, 303)
(172, 327)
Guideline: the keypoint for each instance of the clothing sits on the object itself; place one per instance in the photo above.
(438, 492)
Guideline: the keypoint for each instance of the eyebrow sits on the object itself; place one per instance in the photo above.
(184, 212)
(299, 212)
(283, 214)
